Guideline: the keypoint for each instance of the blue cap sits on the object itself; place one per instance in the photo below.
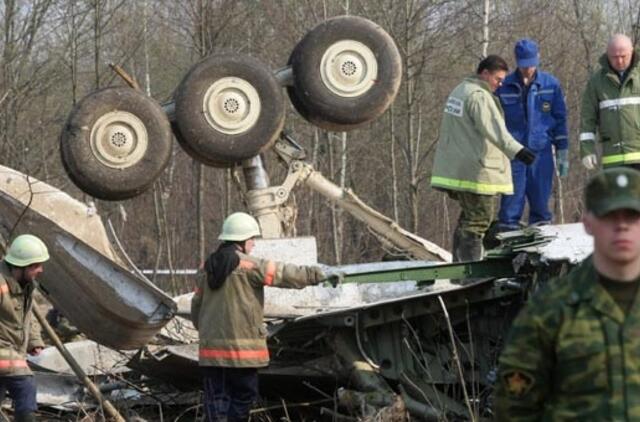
(527, 53)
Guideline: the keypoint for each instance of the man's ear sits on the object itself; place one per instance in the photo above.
(587, 220)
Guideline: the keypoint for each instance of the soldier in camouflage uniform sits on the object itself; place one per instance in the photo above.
(227, 310)
(574, 350)
(19, 333)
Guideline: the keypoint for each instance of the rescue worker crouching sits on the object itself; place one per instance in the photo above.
(19, 333)
(227, 310)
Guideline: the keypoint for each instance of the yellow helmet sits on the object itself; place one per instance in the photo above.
(238, 227)
(25, 250)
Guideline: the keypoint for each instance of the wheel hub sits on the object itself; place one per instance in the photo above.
(231, 105)
(348, 68)
(119, 139)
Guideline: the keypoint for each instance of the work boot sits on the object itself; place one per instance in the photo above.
(25, 417)
(490, 239)
(466, 246)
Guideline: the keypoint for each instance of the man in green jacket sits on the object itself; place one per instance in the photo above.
(227, 310)
(19, 333)
(472, 162)
(573, 352)
(611, 108)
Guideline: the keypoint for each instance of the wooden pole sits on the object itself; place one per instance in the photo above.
(93, 389)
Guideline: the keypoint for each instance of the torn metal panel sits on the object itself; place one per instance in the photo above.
(84, 278)
(553, 243)
(179, 330)
(569, 242)
(61, 391)
(93, 358)
(175, 365)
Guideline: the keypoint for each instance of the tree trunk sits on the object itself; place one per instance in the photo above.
(485, 27)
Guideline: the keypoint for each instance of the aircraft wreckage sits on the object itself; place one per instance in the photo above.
(395, 337)
(418, 338)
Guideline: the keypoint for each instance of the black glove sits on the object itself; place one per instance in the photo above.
(526, 156)
(335, 279)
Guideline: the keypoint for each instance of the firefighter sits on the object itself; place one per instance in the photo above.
(227, 310)
(19, 332)
(572, 352)
(536, 116)
(472, 157)
(611, 107)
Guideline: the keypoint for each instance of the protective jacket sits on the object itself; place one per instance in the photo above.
(612, 109)
(475, 146)
(229, 318)
(571, 355)
(536, 116)
(18, 331)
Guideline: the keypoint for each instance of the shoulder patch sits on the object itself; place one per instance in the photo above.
(454, 106)
(517, 383)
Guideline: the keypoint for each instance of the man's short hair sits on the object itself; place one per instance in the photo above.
(492, 63)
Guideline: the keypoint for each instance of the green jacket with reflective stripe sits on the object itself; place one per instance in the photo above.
(612, 110)
(229, 319)
(19, 332)
(475, 148)
(571, 355)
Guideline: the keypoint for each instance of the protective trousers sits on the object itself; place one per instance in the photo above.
(532, 184)
(229, 393)
(22, 390)
(476, 214)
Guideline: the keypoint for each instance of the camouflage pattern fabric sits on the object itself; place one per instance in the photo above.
(571, 356)
(476, 211)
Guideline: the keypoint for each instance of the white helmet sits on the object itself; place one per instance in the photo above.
(238, 227)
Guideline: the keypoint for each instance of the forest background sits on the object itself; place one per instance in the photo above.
(54, 52)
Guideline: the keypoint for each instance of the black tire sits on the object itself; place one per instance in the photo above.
(300, 107)
(94, 143)
(345, 105)
(187, 149)
(209, 135)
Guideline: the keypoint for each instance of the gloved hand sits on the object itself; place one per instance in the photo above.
(590, 161)
(526, 156)
(335, 278)
(562, 162)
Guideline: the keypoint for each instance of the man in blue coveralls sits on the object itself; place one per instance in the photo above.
(536, 116)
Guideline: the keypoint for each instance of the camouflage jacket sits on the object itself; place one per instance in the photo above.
(19, 332)
(571, 355)
(229, 319)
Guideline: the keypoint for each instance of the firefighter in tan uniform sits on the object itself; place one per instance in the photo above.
(227, 310)
(19, 333)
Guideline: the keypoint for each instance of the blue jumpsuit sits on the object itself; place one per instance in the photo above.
(536, 116)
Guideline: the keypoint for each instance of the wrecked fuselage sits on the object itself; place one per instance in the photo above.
(84, 278)
(399, 332)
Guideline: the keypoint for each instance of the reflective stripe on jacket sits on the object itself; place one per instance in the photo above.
(612, 110)
(572, 355)
(475, 146)
(229, 319)
(19, 332)
(539, 119)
